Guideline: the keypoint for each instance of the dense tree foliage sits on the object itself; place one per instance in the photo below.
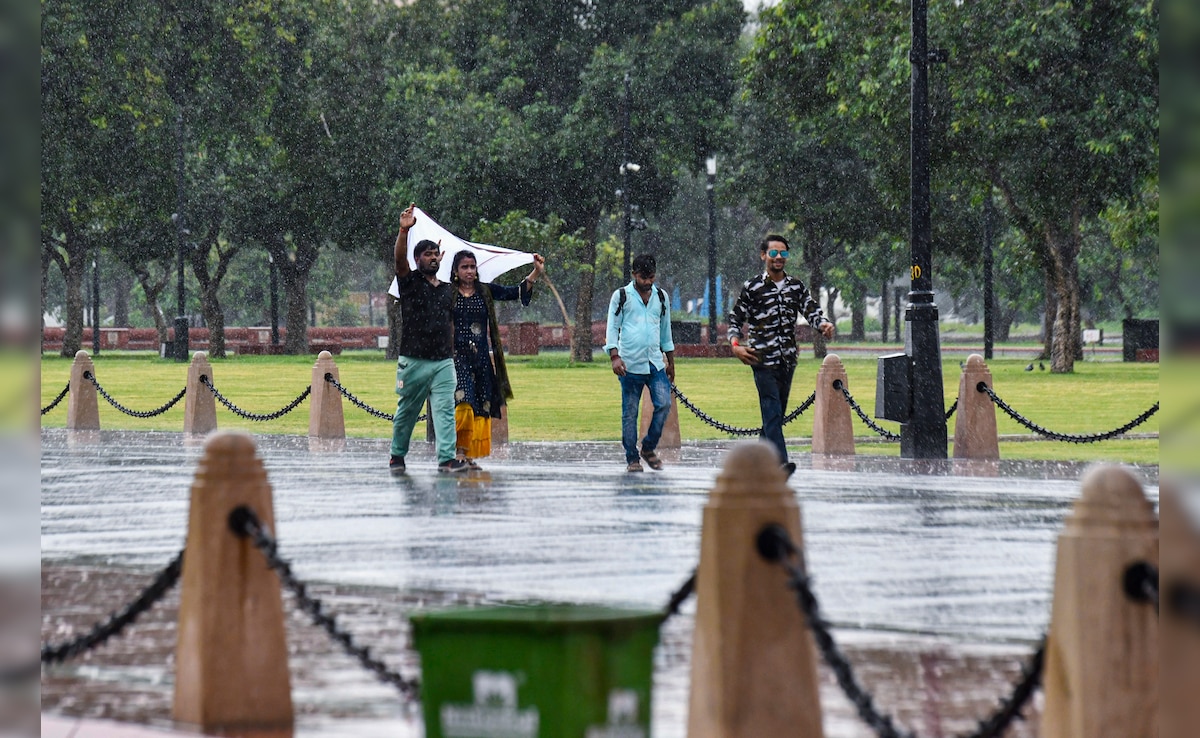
(299, 130)
(1054, 105)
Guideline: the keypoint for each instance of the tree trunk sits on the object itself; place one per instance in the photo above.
(45, 287)
(394, 325)
(71, 259)
(1004, 321)
(581, 336)
(210, 285)
(1051, 299)
(858, 313)
(123, 284)
(1063, 248)
(883, 312)
(816, 275)
(153, 289)
(295, 260)
(214, 318)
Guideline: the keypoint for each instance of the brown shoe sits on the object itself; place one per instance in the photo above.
(652, 459)
(634, 466)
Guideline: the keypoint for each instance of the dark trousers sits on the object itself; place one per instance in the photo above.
(774, 384)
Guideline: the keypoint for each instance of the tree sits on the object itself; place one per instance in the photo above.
(536, 125)
(1054, 105)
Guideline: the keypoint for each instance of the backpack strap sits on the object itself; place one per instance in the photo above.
(662, 301)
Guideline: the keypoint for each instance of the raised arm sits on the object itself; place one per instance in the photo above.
(407, 220)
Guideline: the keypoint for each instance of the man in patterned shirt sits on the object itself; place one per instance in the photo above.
(769, 305)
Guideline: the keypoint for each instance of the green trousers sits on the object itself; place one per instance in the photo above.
(417, 379)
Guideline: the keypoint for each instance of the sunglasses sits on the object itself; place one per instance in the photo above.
(775, 253)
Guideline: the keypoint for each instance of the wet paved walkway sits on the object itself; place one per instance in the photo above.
(936, 575)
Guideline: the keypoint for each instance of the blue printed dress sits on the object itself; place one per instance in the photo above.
(479, 388)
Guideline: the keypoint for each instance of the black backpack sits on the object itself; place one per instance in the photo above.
(662, 301)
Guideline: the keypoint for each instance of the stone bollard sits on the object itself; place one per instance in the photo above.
(231, 659)
(1180, 650)
(500, 427)
(1101, 673)
(199, 403)
(670, 436)
(975, 419)
(754, 668)
(832, 431)
(326, 419)
(83, 412)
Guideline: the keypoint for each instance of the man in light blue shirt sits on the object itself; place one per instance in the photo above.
(639, 345)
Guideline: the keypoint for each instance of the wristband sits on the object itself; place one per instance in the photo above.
(733, 342)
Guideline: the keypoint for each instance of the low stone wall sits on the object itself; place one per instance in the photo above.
(520, 339)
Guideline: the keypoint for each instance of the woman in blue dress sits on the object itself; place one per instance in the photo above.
(483, 386)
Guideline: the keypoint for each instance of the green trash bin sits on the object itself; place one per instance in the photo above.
(530, 671)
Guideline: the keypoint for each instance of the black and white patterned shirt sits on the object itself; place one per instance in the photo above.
(769, 312)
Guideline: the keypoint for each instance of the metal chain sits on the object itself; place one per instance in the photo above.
(774, 544)
(1183, 599)
(101, 632)
(346, 393)
(204, 380)
(953, 407)
(58, 399)
(1140, 583)
(244, 522)
(679, 596)
(1091, 438)
(377, 413)
(735, 430)
(135, 413)
(839, 385)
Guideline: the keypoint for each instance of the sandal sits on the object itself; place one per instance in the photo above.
(652, 459)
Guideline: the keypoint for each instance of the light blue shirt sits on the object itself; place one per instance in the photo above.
(641, 334)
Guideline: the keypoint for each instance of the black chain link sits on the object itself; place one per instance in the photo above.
(774, 544)
(1069, 438)
(735, 430)
(244, 522)
(58, 399)
(1183, 600)
(135, 413)
(839, 385)
(254, 416)
(953, 407)
(679, 596)
(101, 632)
(377, 413)
(1140, 583)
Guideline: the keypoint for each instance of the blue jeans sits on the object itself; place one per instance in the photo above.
(774, 384)
(631, 399)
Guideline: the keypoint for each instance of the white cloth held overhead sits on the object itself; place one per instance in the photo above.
(491, 260)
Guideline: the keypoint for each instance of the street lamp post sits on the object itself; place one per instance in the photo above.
(96, 301)
(274, 300)
(713, 300)
(924, 436)
(626, 168)
(989, 299)
(180, 344)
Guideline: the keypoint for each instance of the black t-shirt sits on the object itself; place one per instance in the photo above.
(427, 326)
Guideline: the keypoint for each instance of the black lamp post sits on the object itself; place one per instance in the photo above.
(274, 300)
(180, 344)
(989, 299)
(96, 301)
(626, 168)
(924, 435)
(713, 301)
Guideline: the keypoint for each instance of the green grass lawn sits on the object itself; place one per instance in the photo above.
(558, 401)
